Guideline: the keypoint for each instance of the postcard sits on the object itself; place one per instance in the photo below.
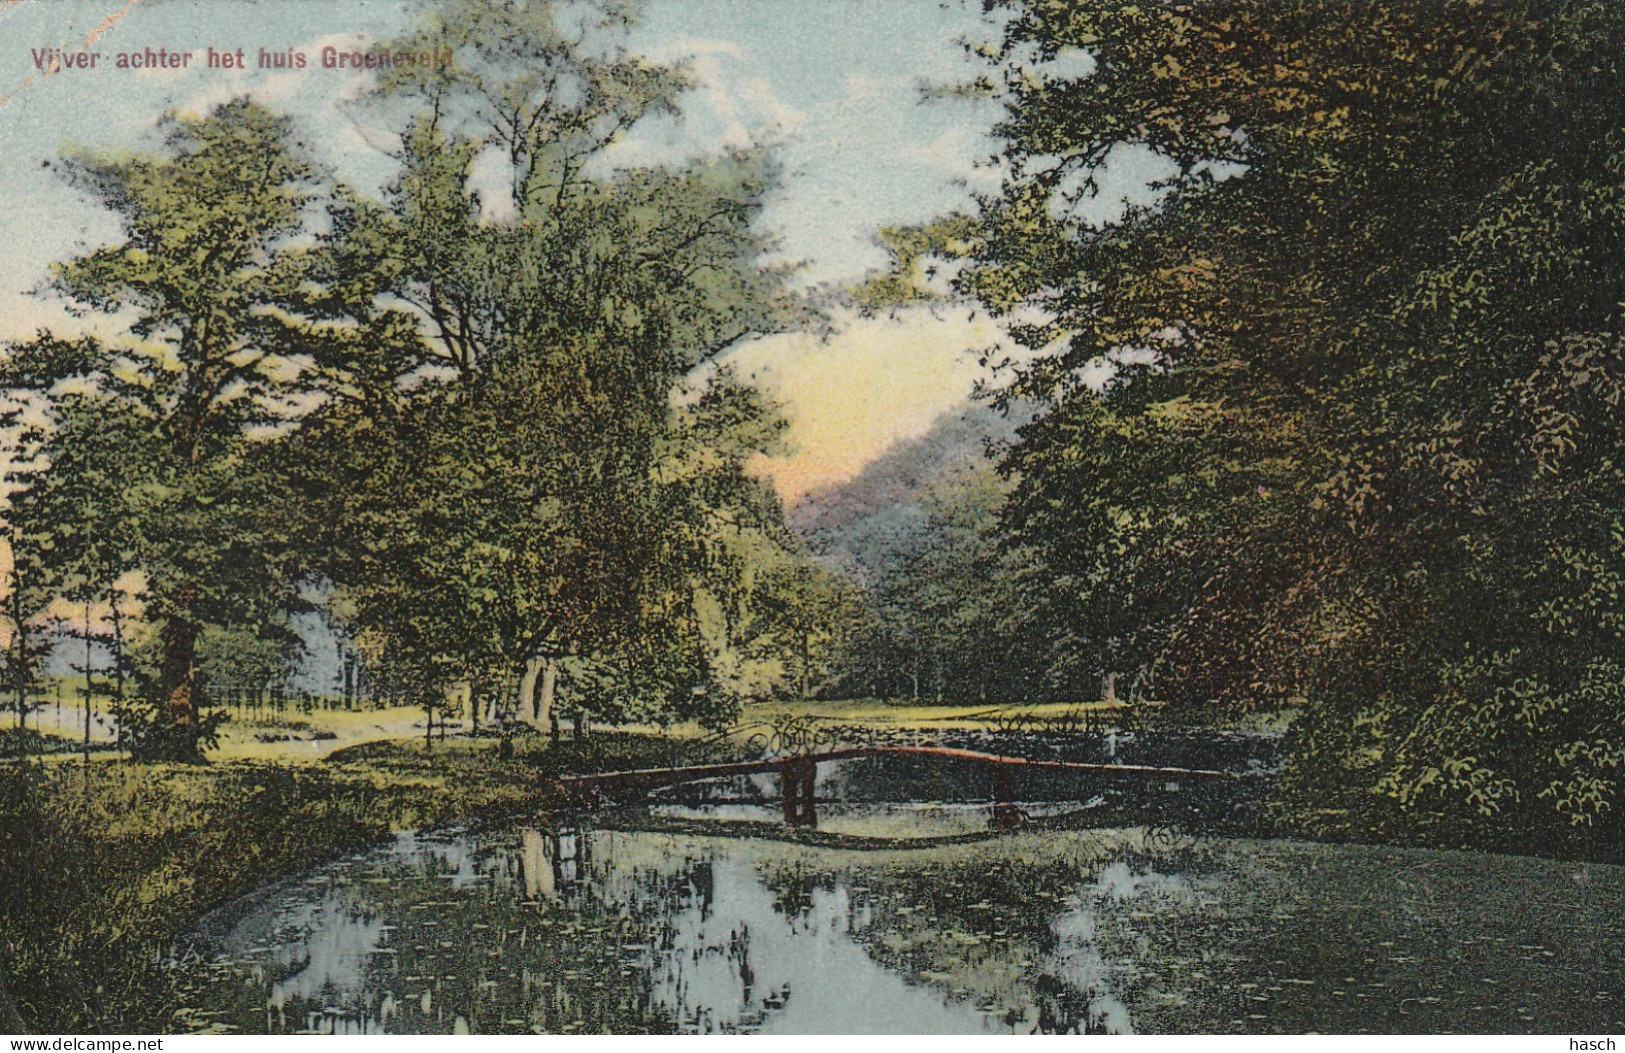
(753, 517)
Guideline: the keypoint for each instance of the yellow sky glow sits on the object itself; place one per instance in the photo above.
(876, 382)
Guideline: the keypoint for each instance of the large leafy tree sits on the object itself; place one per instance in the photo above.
(160, 436)
(530, 483)
(1353, 446)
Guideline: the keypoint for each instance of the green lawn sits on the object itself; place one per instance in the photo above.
(907, 715)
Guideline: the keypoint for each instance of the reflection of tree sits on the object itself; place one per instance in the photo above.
(974, 923)
(1030, 931)
(793, 891)
(658, 933)
(468, 945)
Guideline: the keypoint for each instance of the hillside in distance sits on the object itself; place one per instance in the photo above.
(865, 524)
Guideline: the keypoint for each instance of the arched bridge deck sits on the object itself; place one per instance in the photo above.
(797, 775)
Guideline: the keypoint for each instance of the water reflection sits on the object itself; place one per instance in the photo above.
(558, 928)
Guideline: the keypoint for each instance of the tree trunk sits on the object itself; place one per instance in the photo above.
(20, 641)
(88, 699)
(550, 685)
(118, 664)
(537, 710)
(525, 706)
(347, 665)
(177, 683)
(806, 662)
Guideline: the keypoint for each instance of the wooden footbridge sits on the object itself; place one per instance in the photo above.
(798, 775)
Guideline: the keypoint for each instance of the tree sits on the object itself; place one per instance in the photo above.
(27, 596)
(952, 606)
(159, 453)
(532, 485)
(1314, 468)
(27, 585)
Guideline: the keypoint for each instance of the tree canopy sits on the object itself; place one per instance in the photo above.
(153, 451)
(1327, 419)
(481, 421)
(548, 465)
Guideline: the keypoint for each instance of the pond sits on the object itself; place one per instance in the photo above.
(707, 916)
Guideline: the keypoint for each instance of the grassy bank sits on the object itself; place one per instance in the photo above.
(101, 864)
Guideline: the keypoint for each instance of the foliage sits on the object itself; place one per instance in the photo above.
(485, 424)
(529, 461)
(1330, 415)
(157, 449)
(951, 613)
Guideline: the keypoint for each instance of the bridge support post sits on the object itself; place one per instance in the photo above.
(809, 779)
(788, 782)
(1006, 816)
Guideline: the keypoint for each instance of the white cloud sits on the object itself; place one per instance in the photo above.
(772, 115)
(748, 109)
(490, 177)
(729, 106)
(961, 151)
(1069, 64)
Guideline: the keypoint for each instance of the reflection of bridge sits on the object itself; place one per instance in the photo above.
(798, 774)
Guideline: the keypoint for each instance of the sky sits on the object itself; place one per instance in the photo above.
(831, 85)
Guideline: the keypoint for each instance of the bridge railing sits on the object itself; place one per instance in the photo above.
(654, 778)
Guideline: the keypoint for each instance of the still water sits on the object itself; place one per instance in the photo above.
(693, 918)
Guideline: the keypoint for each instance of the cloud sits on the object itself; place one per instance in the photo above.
(771, 114)
(282, 88)
(21, 316)
(491, 178)
(272, 89)
(730, 106)
(747, 107)
(961, 151)
(745, 101)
